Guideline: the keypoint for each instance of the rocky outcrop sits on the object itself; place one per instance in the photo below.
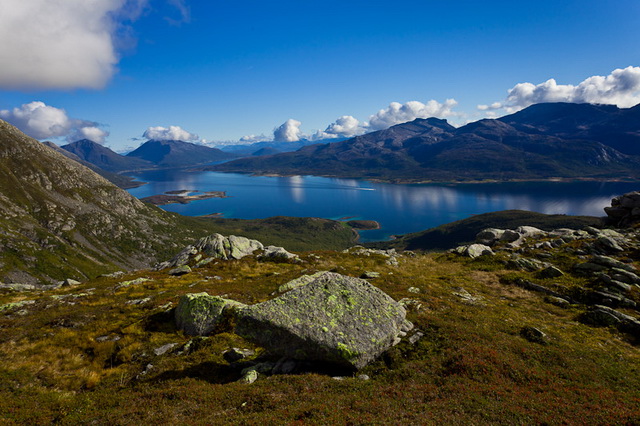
(624, 210)
(473, 250)
(334, 318)
(215, 246)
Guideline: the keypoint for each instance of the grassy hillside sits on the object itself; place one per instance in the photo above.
(453, 234)
(86, 354)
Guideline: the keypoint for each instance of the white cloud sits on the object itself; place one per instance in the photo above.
(344, 127)
(621, 88)
(60, 44)
(289, 131)
(397, 113)
(171, 133)
(92, 133)
(249, 139)
(41, 121)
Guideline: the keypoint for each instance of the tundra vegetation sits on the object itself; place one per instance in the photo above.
(108, 351)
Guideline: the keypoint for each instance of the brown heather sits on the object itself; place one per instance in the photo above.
(472, 366)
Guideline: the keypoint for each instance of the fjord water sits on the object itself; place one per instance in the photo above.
(399, 208)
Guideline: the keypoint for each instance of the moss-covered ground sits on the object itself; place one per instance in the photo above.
(86, 354)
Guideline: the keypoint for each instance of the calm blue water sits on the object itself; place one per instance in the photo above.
(398, 208)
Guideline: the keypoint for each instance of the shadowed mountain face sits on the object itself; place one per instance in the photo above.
(59, 219)
(526, 145)
(103, 157)
(608, 124)
(177, 153)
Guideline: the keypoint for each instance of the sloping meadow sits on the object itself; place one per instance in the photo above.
(108, 352)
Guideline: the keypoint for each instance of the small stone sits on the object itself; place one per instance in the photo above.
(249, 377)
(533, 334)
(138, 301)
(551, 272)
(415, 290)
(363, 377)
(477, 250)
(164, 349)
(413, 339)
(235, 354)
(180, 270)
(70, 283)
(558, 301)
(370, 275)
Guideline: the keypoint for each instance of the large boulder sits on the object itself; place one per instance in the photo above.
(334, 318)
(198, 314)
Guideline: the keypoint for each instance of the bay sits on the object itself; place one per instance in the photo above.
(399, 208)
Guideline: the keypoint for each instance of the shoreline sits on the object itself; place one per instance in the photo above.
(440, 182)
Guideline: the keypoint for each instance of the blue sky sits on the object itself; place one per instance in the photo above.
(225, 70)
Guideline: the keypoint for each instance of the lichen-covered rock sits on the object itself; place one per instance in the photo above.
(278, 253)
(198, 314)
(300, 281)
(473, 250)
(334, 318)
(526, 264)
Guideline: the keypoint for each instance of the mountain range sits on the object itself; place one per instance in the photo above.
(558, 140)
(150, 155)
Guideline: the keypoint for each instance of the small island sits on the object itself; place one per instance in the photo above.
(182, 197)
(363, 225)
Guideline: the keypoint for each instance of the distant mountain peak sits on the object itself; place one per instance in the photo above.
(176, 153)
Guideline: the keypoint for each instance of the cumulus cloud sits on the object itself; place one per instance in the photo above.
(171, 133)
(397, 113)
(621, 88)
(61, 44)
(289, 131)
(344, 127)
(41, 121)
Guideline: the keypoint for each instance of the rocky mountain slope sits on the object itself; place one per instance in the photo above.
(59, 219)
(515, 147)
(177, 153)
(122, 181)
